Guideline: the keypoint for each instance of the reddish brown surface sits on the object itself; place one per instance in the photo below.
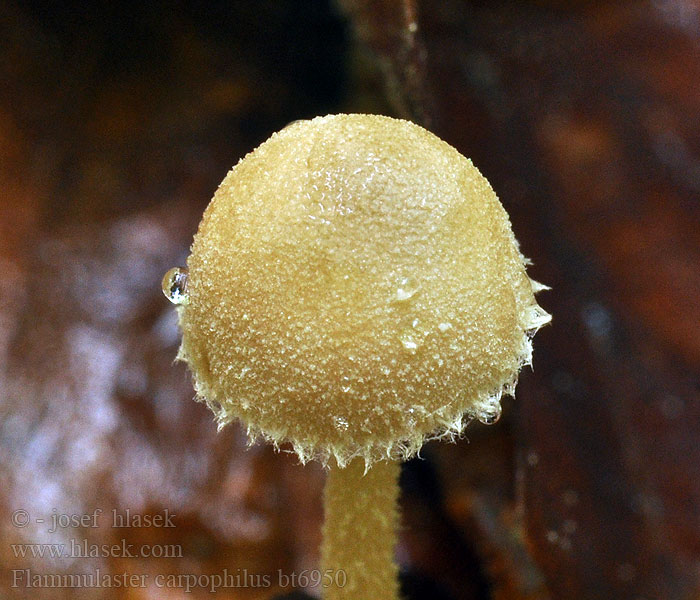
(115, 128)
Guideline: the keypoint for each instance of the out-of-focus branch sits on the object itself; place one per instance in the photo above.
(391, 29)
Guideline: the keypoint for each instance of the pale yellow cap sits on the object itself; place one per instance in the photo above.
(354, 289)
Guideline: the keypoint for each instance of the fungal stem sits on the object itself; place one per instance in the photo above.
(359, 532)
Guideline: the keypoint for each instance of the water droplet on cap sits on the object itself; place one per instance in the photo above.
(174, 285)
(406, 289)
(490, 414)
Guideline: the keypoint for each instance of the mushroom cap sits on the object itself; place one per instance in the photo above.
(355, 288)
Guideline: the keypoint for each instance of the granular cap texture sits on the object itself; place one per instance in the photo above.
(354, 289)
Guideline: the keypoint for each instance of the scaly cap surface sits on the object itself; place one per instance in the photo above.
(355, 288)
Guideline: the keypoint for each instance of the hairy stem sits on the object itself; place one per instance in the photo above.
(359, 533)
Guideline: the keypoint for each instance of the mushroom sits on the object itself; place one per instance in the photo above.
(355, 289)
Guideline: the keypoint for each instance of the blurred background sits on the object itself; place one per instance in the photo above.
(117, 123)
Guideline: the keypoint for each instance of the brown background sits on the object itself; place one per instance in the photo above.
(117, 122)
